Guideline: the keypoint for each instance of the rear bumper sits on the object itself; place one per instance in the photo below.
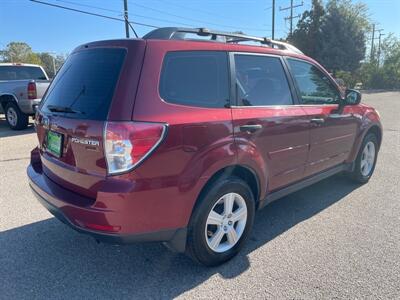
(166, 235)
(60, 203)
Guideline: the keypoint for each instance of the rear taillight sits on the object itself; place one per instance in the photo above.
(129, 143)
(32, 94)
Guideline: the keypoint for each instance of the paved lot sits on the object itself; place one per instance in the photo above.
(332, 240)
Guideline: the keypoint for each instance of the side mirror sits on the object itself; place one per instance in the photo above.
(352, 97)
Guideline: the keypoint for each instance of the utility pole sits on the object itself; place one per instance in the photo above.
(372, 42)
(273, 19)
(53, 56)
(126, 18)
(54, 66)
(291, 13)
(379, 47)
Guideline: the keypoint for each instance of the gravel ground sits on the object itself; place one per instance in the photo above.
(334, 239)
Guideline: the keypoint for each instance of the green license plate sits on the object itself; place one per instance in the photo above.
(54, 142)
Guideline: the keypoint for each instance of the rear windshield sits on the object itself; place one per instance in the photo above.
(84, 86)
(21, 73)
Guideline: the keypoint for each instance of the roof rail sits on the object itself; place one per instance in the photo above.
(179, 33)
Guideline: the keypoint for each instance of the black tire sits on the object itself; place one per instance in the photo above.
(357, 174)
(22, 119)
(197, 247)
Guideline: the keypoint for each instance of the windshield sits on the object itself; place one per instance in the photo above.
(85, 84)
(21, 73)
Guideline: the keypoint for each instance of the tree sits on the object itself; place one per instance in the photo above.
(341, 43)
(50, 62)
(33, 58)
(20, 52)
(386, 74)
(334, 35)
(307, 33)
(391, 62)
(16, 52)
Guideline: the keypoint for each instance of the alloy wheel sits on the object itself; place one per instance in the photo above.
(367, 158)
(12, 117)
(226, 222)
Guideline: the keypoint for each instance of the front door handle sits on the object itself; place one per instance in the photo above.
(250, 128)
(317, 121)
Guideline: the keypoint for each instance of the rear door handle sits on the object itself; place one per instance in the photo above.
(250, 128)
(317, 121)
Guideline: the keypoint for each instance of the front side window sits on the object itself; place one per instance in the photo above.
(261, 81)
(314, 86)
(195, 78)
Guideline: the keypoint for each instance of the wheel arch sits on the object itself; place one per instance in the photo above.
(377, 131)
(374, 128)
(243, 172)
(6, 98)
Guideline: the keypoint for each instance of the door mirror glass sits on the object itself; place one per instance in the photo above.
(353, 97)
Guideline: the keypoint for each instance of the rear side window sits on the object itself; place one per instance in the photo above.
(261, 81)
(21, 73)
(195, 78)
(84, 86)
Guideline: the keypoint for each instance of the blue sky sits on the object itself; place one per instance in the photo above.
(55, 30)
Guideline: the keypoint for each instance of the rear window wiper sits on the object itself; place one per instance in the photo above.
(63, 109)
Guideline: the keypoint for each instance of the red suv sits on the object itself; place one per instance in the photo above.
(182, 135)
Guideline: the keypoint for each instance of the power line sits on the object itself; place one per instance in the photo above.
(130, 25)
(93, 14)
(291, 13)
(90, 6)
(202, 11)
(162, 20)
(291, 21)
(111, 17)
(120, 13)
(194, 20)
(130, 14)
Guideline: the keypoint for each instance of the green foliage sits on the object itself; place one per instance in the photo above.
(350, 79)
(307, 34)
(49, 62)
(16, 52)
(33, 58)
(383, 72)
(20, 52)
(342, 36)
(334, 35)
(330, 34)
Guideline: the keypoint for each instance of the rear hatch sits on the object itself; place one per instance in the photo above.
(97, 83)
